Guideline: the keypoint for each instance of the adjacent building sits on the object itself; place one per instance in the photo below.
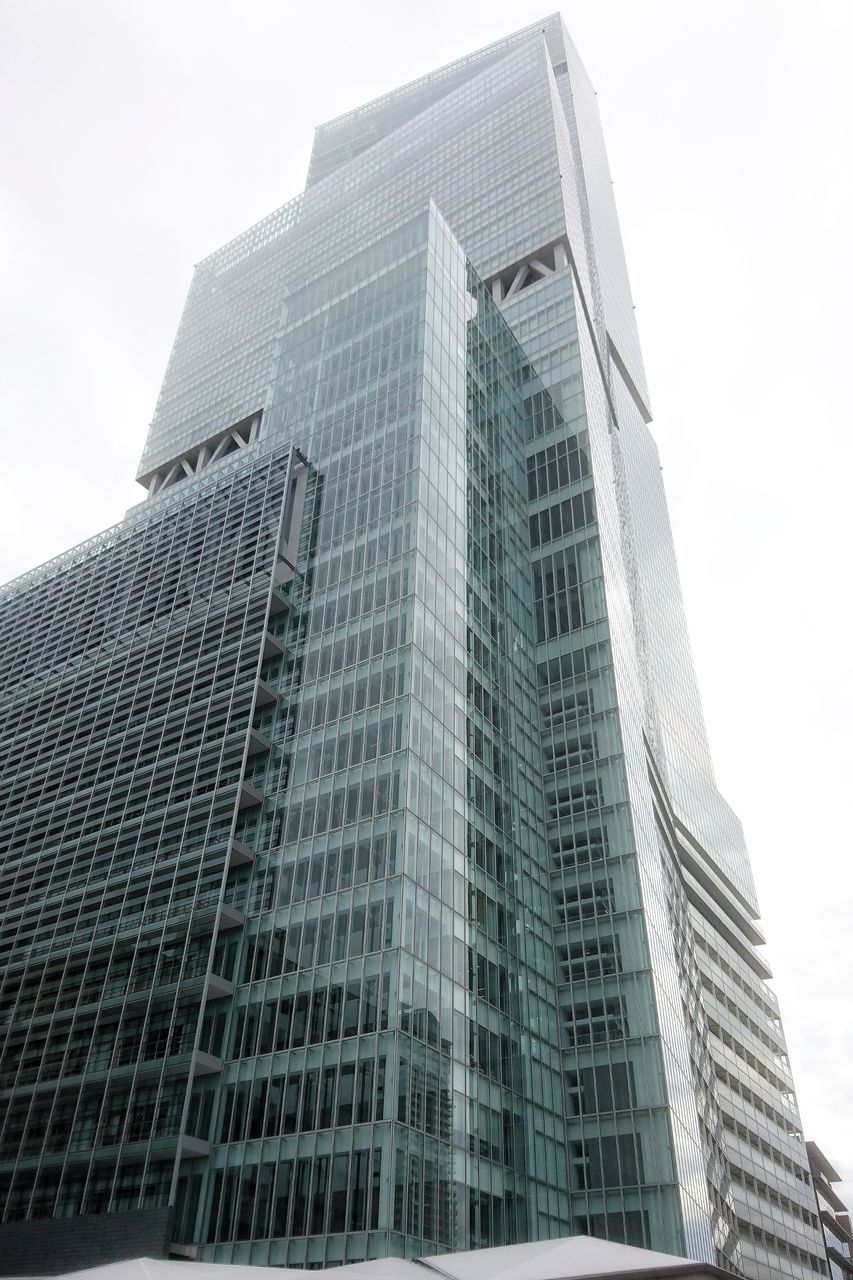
(366, 887)
(834, 1215)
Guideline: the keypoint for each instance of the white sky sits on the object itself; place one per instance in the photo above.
(138, 137)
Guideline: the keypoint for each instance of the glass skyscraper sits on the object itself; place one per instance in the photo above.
(365, 885)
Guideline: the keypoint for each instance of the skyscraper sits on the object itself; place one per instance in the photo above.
(366, 885)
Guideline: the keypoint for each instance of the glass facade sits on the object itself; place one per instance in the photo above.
(368, 888)
(393, 1080)
(131, 667)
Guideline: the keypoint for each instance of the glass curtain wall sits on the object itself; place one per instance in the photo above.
(393, 1079)
(130, 670)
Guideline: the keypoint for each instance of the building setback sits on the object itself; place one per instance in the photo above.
(366, 887)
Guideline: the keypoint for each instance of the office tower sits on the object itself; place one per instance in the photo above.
(369, 888)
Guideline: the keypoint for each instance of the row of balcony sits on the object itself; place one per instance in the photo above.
(86, 1066)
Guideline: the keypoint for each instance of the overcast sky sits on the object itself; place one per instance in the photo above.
(139, 136)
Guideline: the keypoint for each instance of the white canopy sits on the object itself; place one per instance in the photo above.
(571, 1258)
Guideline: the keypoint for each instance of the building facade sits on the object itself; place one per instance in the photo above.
(367, 889)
